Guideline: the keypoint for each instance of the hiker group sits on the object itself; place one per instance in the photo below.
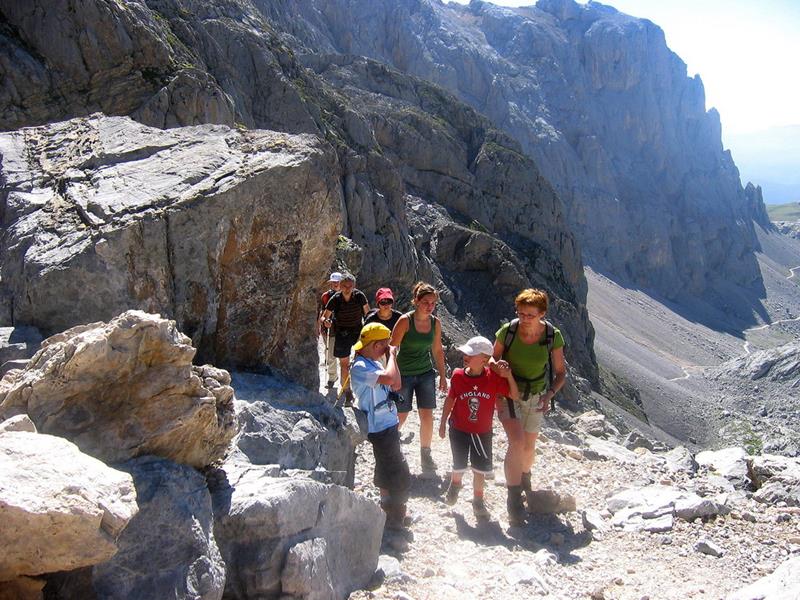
(396, 358)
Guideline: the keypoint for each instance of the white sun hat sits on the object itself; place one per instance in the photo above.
(477, 345)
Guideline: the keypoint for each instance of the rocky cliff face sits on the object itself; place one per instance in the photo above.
(204, 224)
(598, 100)
(395, 142)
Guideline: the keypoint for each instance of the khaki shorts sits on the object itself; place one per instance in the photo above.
(530, 418)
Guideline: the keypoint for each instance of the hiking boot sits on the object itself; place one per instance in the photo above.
(516, 510)
(330, 383)
(426, 460)
(451, 495)
(479, 510)
(396, 517)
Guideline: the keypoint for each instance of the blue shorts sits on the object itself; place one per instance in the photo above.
(422, 386)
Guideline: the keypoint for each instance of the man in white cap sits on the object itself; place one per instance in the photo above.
(334, 283)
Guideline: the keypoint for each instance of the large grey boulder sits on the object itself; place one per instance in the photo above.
(652, 508)
(207, 225)
(262, 524)
(168, 549)
(59, 508)
(680, 460)
(730, 463)
(125, 388)
(781, 584)
(284, 424)
(18, 343)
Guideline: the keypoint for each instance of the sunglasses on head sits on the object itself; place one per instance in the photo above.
(385, 302)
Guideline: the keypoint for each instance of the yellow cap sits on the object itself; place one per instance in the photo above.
(372, 332)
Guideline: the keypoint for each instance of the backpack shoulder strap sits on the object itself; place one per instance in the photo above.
(511, 333)
(549, 335)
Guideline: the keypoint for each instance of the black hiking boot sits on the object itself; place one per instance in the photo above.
(396, 519)
(516, 510)
(451, 496)
(426, 461)
(479, 510)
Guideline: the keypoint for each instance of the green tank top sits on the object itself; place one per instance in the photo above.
(414, 354)
(529, 361)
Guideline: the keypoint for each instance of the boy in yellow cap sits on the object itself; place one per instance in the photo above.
(372, 386)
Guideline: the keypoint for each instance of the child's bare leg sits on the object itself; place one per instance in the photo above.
(477, 484)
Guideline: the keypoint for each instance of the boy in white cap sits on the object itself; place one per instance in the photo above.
(372, 386)
(469, 408)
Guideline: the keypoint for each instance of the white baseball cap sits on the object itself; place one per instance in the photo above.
(335, 276)
(477, 345)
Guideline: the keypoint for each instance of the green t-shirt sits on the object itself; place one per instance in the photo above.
(414, 354)
(529, 361)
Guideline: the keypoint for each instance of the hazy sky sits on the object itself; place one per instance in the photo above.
(746, 52)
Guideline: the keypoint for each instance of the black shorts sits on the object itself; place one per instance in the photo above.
(475, 446)
(344, 342)
(391, 468)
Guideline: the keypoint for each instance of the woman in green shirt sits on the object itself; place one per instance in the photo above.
(527, 355)
(418, 337)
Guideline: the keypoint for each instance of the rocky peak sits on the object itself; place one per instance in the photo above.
(603, 106)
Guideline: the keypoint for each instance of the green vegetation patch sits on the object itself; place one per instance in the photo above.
(741, 433)
(784, 212)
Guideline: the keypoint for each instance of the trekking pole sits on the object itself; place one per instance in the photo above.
(342, 391)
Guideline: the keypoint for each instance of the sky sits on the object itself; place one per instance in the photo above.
(746, 52)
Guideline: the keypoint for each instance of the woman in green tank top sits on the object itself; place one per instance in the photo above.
(418, 337)
(527, 356)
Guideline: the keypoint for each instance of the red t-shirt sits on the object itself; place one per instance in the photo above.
(475, 399)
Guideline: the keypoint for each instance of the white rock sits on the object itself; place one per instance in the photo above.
(18, 423)
(593, 520)
(544, 558)
(611, 450)
(518, 573)
(730, 463)
(706, 546)
(680, 460)
(390, 566)
(781, 584)
(60, 509)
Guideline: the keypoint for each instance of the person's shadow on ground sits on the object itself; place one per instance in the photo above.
(538, 532)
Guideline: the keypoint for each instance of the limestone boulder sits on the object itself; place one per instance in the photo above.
(272, 531)
(653, 508)
(780, 488)
(549, 502)
(18, 423)
(207, 225)
(167, 550)
(282, 423)
(680, 460)
(59, 508)
(781, 584)
(607, 450)
(730, 463)
(123, 389)
(18, 343)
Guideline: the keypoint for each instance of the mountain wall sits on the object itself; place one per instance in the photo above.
(599, 101)
(429, 188)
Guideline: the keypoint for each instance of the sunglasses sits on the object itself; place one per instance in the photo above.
(386, 302)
